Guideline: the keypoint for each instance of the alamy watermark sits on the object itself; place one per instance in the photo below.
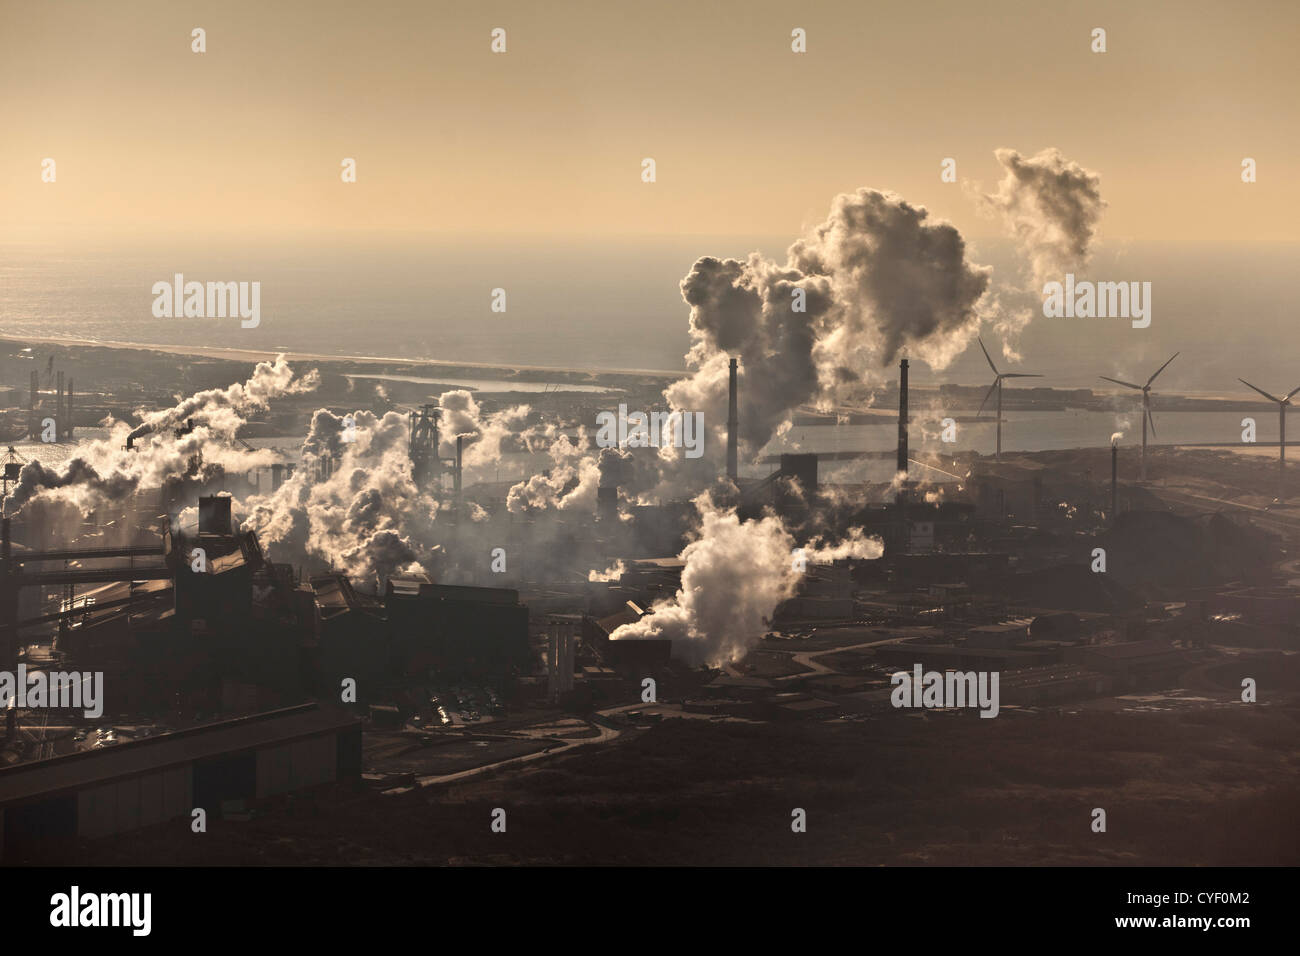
(215, 300)
(62, 690)
(1101, 300)
(950, 689)
(640, 430)
(75, 908)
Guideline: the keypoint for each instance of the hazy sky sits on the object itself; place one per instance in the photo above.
(547, 139)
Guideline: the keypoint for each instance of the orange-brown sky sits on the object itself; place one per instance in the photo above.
(547, 139)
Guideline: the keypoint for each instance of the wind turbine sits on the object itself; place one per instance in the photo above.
(997, 384)
(1146, 407)
(1282, 403)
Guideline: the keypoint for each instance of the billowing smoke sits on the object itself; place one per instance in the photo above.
(225, 409)
(103, 473)
(877, 277)
(1052, 207)
(77, 474)
(570, 483)
(611, 573)
(487, 436)
(367, 518)
(736, 573)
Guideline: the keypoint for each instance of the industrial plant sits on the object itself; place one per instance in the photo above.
(564, 438)
(358, 617)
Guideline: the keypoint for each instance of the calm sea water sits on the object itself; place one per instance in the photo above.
(1228, 308)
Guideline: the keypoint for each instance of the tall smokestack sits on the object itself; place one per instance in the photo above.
(58, 408)
(732, 422)
(902, 416)
(1114, 479)
(460, 457)
(68, 403)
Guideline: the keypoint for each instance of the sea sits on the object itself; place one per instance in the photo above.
(1229, 309)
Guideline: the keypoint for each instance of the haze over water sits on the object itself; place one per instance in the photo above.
(616, 304)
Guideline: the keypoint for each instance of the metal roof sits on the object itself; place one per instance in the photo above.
(73, 772)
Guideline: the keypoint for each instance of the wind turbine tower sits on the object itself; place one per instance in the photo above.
(1146, 407)
(1282, 403)
(997, 384)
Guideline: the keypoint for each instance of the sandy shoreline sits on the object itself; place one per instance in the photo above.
(258, 355)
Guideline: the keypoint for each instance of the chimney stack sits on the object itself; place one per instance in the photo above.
(460, 456)
(68, 410)
(58, 408)
(1114, 480)
(902, 416)
(214, 515)
(732, 470)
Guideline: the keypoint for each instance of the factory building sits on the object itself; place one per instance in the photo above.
(1146, 663)
(455, 630)
(345, 635)
(217, 767)
(632, 658)
(1009, 488)
(200, 616)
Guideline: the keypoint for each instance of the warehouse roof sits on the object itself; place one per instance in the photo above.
(73, 772)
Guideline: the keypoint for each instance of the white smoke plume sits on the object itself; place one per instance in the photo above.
(857, 544)
(1051, 206)
(104, 473)
(570, 483)
(367, 518)
(611, 573)
(225, 409)
(736, 574)
(878, 276)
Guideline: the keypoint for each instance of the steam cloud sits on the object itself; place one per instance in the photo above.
(367, 518)
(1052, 207)
(104, 474)
(878, 276)
(736, 574)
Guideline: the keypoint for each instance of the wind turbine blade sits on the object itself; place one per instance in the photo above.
(1151, 419)
(1271, 398)
(1161, 369)
(987, 396)
(1021, 375)
(1118, 382)
(986, 356)
(1292, 392)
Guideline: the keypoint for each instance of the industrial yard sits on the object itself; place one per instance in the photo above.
(459, 687)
